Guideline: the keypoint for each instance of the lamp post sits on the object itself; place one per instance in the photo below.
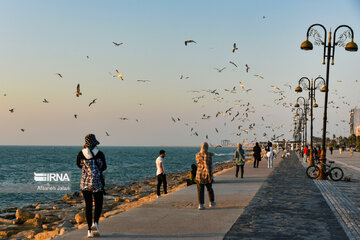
(306, 108)
(329, 53)
(301, 125)
(311, 87)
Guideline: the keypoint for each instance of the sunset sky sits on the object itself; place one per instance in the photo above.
(42, 38)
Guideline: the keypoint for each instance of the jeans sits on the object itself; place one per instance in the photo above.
(237, 170)
(98, 197)
(270, 161)
(305, 157)
(161, 180)
(210, 190)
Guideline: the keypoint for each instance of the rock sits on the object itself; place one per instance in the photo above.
(43, 206)
(23, 215)
(35, 222)
(66, 197)
(6, 221)
(80, 217)
(24, 234)
(63, 230)
(7, 233)
(46, 235)
(66, 224)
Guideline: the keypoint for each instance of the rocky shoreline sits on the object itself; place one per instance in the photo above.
(47, 220)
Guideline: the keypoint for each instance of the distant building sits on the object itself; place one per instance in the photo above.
(225, 143)
(355, 121)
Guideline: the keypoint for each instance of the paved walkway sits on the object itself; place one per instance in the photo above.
(176, 216)
(288, 206)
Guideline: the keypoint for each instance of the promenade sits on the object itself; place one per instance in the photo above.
(279, 203)
(176, 216)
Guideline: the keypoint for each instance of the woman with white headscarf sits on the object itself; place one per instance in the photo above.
(239, 157)
(204, 176)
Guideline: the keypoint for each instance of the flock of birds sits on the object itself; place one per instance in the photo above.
(238, 114)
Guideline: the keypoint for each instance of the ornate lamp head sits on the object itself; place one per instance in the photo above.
(306, 45)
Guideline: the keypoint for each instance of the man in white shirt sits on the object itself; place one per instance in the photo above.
(160, 173)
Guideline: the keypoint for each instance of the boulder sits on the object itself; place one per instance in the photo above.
(23, 215)
(80, 217)
(24, 234)
(66, 197)
(46, 235)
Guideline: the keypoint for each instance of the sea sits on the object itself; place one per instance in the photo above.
(124, 165)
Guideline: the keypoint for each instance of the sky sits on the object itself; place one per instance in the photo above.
(42, 38)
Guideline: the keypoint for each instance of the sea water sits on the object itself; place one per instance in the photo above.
(124, 165)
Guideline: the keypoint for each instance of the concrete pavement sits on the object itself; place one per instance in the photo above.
(175, 216)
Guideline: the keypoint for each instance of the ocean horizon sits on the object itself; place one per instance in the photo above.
(126, 164)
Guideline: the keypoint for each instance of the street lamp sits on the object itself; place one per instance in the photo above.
(306, 107)
(329, 53)
(310, 86)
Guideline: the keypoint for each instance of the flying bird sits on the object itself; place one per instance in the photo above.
(123, 119)
(107, 134)
(259, 76)
(220, 70)
(59, 75)
(78, 93)
(119, 75)
(92, 102)
(247, 68)
(75, 116)
(242, 85)
(234, 48)
(143, 81)
(117, 44)
(189, 41)
(217, 131)
(23, 130)
(12, 110)
(233, 63)
(173, 119)
(45, 101)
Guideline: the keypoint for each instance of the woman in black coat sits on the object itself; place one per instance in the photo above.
(257, 155)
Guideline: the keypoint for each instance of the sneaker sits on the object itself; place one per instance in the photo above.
(212, 204)
(158, 196)
(90, 234)
(201, 207)
(96, 229)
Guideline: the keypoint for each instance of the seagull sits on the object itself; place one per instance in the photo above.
(45, 100)
(242, 85)
(263, 17)
(12, 110)
(87, 57)
(143, 81)
(173, 119)
(93, 101)
(78, 93)
(220, 70)
(107, 134)
(75, 116)
(119, 75)
(275, 87)
(234, 48)
(59, 75)
(23, 130)
(117, 44)
(189, 41)
(217, 131)
(123, 119)
(217, 146)
(259, 76)
(207, 137)
(233, 63)
(247, 68)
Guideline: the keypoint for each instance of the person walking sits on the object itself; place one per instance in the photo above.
(257, 155)
(270, 155)
(331, 150)
(204, 176)
(306, 153)
(239, 157)
(92, 163)
(160, 173)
